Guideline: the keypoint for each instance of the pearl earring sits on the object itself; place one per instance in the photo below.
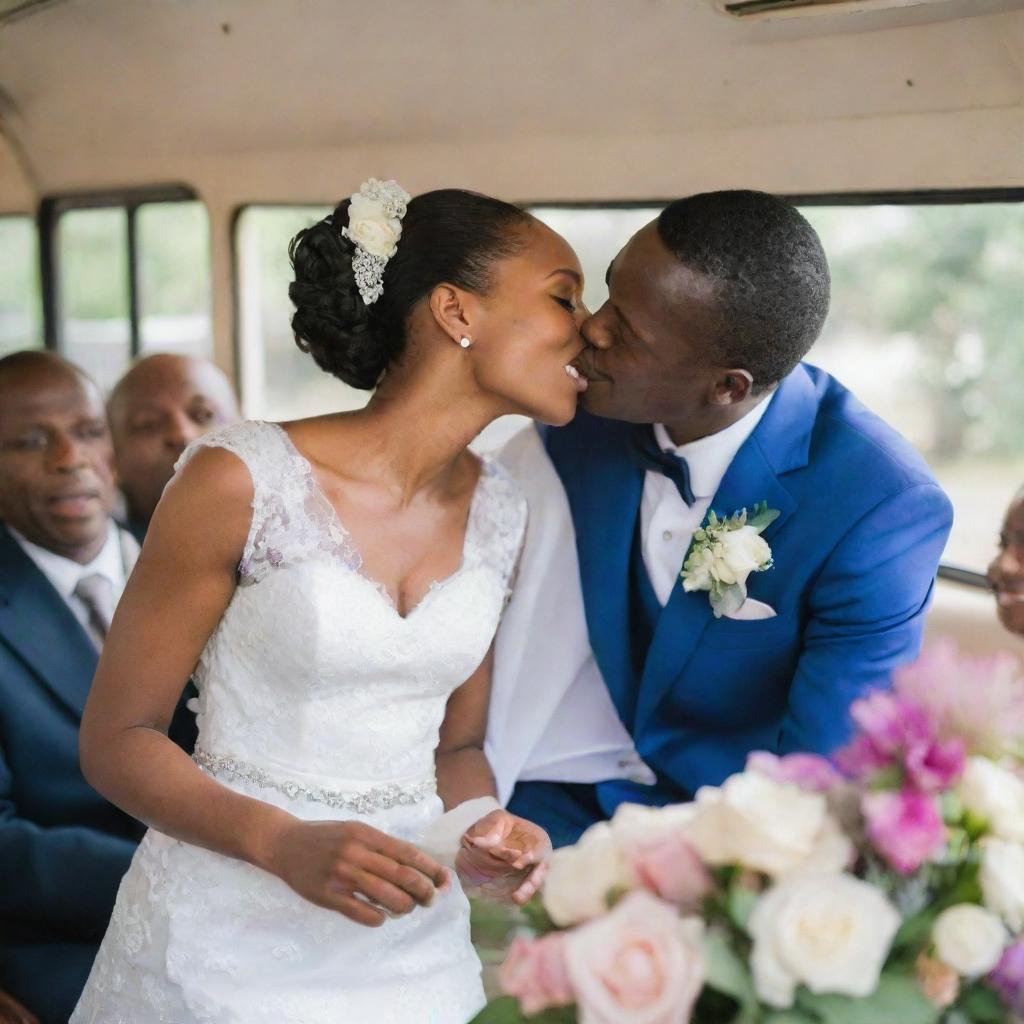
(465, 343)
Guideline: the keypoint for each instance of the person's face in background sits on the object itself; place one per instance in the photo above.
(1006, 573)
(56, 463)
(157, 409)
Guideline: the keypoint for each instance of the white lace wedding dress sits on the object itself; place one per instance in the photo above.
(317, 696)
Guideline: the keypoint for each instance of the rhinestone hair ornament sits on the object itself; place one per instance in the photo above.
(374, 227)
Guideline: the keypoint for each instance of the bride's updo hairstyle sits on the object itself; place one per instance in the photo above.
(448, 237)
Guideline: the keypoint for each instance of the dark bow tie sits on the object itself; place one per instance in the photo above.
(649, 455)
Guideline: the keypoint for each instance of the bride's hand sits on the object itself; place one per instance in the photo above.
(355, 869)
(504, 857)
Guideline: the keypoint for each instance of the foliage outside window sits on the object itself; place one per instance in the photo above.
(925, 327)
(20, 309)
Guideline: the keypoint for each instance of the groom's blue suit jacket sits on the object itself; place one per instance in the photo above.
(63, 848)
(862, 526)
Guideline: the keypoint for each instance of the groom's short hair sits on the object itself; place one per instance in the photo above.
(769, 272)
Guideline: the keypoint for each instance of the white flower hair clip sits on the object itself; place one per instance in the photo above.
(374, 226)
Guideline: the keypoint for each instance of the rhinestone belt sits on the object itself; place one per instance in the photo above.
(379, 798)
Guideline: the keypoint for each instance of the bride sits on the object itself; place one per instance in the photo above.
(334, 585)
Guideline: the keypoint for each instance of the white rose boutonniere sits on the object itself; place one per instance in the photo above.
(725, 552)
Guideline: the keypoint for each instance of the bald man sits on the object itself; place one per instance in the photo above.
(162, 404)
(63, 565)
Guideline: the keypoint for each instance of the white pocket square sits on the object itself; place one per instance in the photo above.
(751, 610)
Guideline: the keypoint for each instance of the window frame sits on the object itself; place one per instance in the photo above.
(53, 207)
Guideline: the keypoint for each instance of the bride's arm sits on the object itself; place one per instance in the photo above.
(502, 854)
(174, 600)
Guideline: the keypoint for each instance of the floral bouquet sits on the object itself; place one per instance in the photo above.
(885, 886)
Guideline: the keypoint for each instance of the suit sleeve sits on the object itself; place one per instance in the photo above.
(867, 612)
(61, 880)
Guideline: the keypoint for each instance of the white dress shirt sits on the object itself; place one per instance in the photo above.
(552, 717)
(667, 525)
(64, 573)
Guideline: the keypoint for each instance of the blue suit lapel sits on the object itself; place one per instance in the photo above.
(38, 626)
(605, 502)
(778, 445)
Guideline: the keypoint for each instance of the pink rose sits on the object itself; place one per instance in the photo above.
(808, 771)
(906, 828)
(535, 973)
(668, 866)
(640, 964)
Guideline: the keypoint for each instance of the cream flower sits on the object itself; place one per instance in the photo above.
(370, 227)
(969, 938)
(831, 933)
(1002, 880)
(739, 553)
(996, 794)
(580, 877)
(774, 827)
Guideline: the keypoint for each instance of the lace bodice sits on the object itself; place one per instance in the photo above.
(312, 675)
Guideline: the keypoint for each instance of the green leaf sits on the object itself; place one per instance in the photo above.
(763, 517)
(726, 970)
(981, 1005)
(740, 904)
(896, 1000)
(537, 917)
(789, 1017)
(916, 930)
(501, 1011)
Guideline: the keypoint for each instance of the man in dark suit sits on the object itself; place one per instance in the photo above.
(63, 565)
(698, 405)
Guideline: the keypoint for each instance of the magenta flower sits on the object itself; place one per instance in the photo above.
(935, 766)
(1007, 978)
(906, 828)
(980, 700)
(808, 771)
(893, 723)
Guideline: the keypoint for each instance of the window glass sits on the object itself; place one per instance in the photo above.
(174, 278)
(20, 310)
(278, 380)
(92, 247)
(927, 307)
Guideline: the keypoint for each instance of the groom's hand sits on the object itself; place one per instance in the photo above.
(356, 870)
(504, 857)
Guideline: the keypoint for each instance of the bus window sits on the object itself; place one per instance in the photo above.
(927, 303)
(92, 253)
(174, 278)
(278, 381)
(20, 311)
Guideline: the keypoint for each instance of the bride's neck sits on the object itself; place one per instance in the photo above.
(418, 425)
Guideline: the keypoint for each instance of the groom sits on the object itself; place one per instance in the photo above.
(613, 683)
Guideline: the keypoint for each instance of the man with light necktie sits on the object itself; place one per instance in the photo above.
(63, 565)
(726, 548)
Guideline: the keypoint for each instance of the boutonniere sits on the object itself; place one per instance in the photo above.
(725, 552)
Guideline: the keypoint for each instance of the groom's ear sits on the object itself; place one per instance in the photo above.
(448, 307)
(731, 387)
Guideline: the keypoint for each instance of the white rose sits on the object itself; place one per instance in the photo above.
(831, 933)
(995, 794)
(1002, 880)
(638, 823)
(740, 552)
(581, 876)
(767, 826)
(371, 228)
(969, 938)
